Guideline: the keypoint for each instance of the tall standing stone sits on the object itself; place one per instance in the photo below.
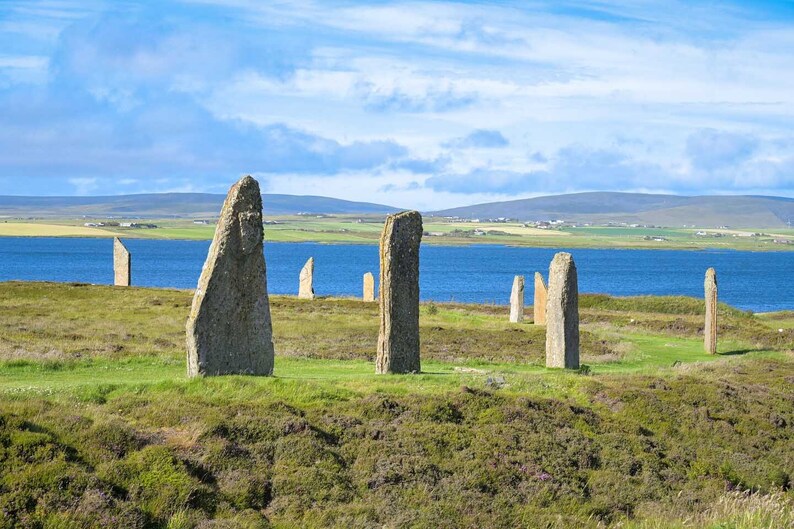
(122, 264)
(369, 287)
(541, 297)
(229, 329)
(517, 300)
(562, 314)
(398, 340)
(306, 286)
(710, 330)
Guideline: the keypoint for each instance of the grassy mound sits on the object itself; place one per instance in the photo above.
(100, 428)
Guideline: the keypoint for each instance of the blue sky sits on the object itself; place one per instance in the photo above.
(416, 104)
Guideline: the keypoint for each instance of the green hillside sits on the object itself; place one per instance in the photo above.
(753, 212)
(171, 205)
(639, 208)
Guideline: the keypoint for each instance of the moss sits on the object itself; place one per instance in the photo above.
(113, 438)
(158, 481)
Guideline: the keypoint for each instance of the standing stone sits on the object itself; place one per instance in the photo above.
(369, 287)
(122, 267)
(710, 330)
(229, 329)
(306, 286)
(562, 313)
(517, 300)
(541, 297)
(398, 341)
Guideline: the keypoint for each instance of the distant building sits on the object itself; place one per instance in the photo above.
(135, 225)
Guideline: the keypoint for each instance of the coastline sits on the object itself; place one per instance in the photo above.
(570, 243)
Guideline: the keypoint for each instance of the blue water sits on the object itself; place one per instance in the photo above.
(480, 274)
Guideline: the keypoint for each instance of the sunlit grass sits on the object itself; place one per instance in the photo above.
(345, 229)
(33, 229)
(99, 425)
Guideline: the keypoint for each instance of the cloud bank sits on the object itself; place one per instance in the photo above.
(420, 104)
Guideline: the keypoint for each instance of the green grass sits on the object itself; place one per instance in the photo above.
(100, 427)
(778, 320)
(629, 232)
(345, 229)
(198, 233)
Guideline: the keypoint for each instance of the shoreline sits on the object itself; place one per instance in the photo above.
(454, 244)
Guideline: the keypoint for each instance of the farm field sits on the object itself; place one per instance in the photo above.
(653, 432)
(35, 229)
(366, 230)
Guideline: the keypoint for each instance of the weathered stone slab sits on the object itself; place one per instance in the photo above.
(710, 330)
(306, 286)
(562, 314)
(369, 287)
(517, 300)
(541, 297)
(398, 340)
(229, 328)
(122, 264)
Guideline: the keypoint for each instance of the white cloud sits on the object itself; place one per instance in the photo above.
(27, 62)
(183, 95)
(83, 186)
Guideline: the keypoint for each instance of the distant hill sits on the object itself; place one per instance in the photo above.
(598, 208)
(166, 205)
(660, 210)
